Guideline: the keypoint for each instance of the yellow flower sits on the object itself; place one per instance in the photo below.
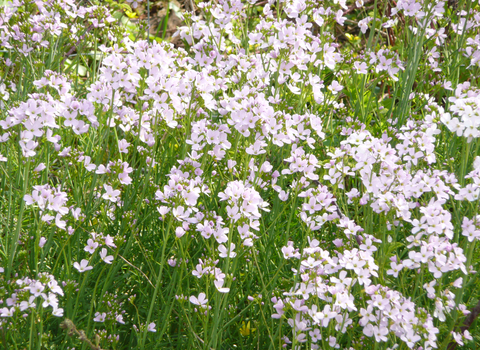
(352, 38)
(245, 330)
(130, 14)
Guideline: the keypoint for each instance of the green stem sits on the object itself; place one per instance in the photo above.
(157, 285)
(14, 243)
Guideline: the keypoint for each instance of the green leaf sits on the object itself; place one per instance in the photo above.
(80, 69)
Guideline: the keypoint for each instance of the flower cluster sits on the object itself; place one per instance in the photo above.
(264, 137)
(114, 308)
(30, 30)
(465, 105)
(51, 200)
(29, 290)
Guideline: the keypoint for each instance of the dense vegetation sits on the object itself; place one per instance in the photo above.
(290, 174)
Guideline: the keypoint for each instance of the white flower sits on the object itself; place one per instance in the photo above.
(224, 252)
(123, 146)
(295, 90)
(57, 312)
(361, 67)
(6, 312)
(201, 300)
(36, 288)
(100, 317)
(151, 327)
(91, 246)
(458, 282)
(335, 87)
(83, 266)
(106, 258)
(39, 167)
(219, 285)
(27, 304)
(111, 194)
(119, 319)
(51, 300)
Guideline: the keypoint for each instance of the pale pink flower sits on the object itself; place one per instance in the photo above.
(151, 327)
(91, 246)
(110, 194)
(201, 300)
(224, 253)
(100, 317)
(123, 146)
(83, 266)
(106, 258)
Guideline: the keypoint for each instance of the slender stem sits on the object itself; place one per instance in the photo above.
(14, 243)
(157, 285)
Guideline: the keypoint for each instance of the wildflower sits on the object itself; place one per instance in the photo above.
(106, 258)
(458, 282)
(368, 246)
(363, 24)
(89, 166)
(40, 167)
(109, 241)
(51, 300)
(36, 288)
(246, 329)
(6, 312)
(283, 196)
(315, 335)
(361, 67)
(83, 266)
(100, 317)
(111, 194)
(219, 285)
(199, 270)
(224, 253)
(380, 333)
(394, 269)
(430, 290)
(58, 312)
(332, 341)
(28, 304)
(200, 301)
(91, 246)
(151, 327)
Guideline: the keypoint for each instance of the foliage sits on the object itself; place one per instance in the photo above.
(299, 174)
